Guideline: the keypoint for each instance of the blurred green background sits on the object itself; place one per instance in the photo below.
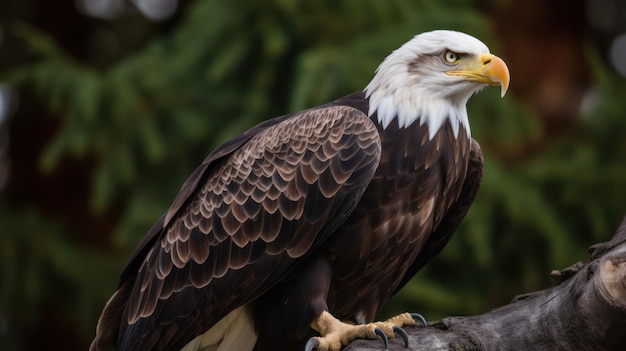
(107, 106)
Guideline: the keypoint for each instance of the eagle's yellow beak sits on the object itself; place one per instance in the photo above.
(488, 69)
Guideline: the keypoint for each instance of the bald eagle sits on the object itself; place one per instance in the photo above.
(302, 227)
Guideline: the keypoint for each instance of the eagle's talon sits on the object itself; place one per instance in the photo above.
(419, 318)
(402, 333)
(383, 336)
(312, 344)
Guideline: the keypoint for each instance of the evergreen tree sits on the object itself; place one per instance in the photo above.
(145, 121)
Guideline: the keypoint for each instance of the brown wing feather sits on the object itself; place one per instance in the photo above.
(187, 191)
(259, 208)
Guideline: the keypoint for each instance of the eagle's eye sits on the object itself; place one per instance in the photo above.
(451, 57)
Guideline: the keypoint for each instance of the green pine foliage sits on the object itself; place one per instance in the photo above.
(151, 117)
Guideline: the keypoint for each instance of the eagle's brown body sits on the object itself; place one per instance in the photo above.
(287, 234)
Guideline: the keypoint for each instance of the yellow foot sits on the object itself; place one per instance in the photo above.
(336, 334)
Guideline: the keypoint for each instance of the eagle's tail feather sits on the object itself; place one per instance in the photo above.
(234, 332)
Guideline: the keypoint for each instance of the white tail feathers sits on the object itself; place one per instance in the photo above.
(235, 332)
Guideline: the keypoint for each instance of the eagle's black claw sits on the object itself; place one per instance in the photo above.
(403, 334)
(419, 318)
(312, 344)
(383, 336)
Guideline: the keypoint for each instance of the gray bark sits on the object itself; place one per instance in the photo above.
(585, 311)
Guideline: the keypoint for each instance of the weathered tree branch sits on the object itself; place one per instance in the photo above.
(586, 311)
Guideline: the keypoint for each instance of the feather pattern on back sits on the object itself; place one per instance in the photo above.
(302, 175)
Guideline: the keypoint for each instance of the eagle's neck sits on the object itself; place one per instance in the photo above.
(414, 104)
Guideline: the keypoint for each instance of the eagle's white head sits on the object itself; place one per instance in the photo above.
(431, 78)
